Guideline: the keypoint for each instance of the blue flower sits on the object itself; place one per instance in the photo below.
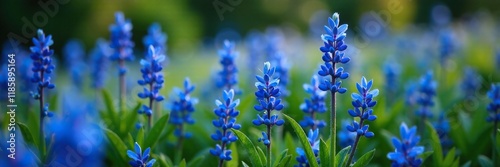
(73, 54)
(407, 151)
(156, 38)
(182, 108)
(268, 94)
(346, 137)
(447, 45)
(228, 76)
(313, 138)
(140, 159)
(363, 103)
(314, 105)
(442, 127)
(427, 90)
(42, 68)
(99, 63)
(333, 49)
(274, 39)
(392, 71)
(226, 121)
(471, 82)
(494, 107)
(121, 34)
(152, 79)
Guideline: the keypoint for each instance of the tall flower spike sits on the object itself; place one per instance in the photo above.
(494, 107)
(407, 151)
(274, 39)
(73, 55)
(182, 108)
(442, 127)
(427, 90)
(42, 68)
(139, 158)
(99, 63)
(121, 34)
(471, 82)
(152, 81)
(268, 94)
(314, 105)
(226, 120)
(156, 38)
(333, 49)
(313, 138)
(228, 76)
(392, 71)
(363, 104)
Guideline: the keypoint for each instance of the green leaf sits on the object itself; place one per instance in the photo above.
(140, 137)
(324, 153)
(156, 131)
(110, 109)
(365, 159)
(285, 161)
(244, 164)
(27, 136)
(341, 156)
(234, 161)
(261, 154)
(290, 144)
(283, 154)
(425, 155)
(117, 144)
(196, 161)
(303, 139)
(183, 163)
(252, 151)
(450, 157)
(467, 164)
(129, 119)
(436, 145)
(129, 141)
(484, 161)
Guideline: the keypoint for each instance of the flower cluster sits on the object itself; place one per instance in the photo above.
(226, 121)
(121, 34)
(268, 95)
(363, 103)
(471, 82)
(156, 38)
(73, 54)
(182, 108)
(152, 78)
(99, 62)
(42, 67)
(427, 90)
(229, 73)
(313, 138)
(139, 158)
(494, 107)
(407, 151)
(332, 54)
(315, 104)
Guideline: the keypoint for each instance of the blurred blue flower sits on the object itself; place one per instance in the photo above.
(427, 90)
(139, 158)
(182, 108)
(73, 58)
(268, 94)
(313, 138)
(346, 137)
(442, 127)
(156, 38)
(274, 39)
(392, 71)
(228, 76)
(447, 45)
(363, 103)
(332, 54)
(407, 150)
(471, 82)
(226, 121)
(494, 107)
(42, 68)
(314, 105)
(121, 42)
(99, 63)
(411, 94)
(152, 79)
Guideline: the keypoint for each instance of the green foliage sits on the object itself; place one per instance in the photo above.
(341, 157)
(156, 131)
(117, 144)
(365, 159)
(324, 153)
(303, 140)
(250, 148)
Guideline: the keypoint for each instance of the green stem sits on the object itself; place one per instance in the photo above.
(354, 145)
(122, 87)
(333, 125)
(42, 115)
(495, 126)
(269, 137)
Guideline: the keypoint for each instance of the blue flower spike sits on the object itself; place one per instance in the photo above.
(313, 138)
(228, 76)
(140, 159)
(314, 105)
(407, 151)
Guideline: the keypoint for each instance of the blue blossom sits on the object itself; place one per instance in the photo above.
(121, 34)
(314, 105)
(392, 71)
(471, 82)
(228, 76)
(152, 79)
(268, 94)
(411, 94)
(426, 90)
(226, 121)
(313, 138)
(99, 63)
(156, 38)
(363, 103)
(42, 68)
(275, 55)
(346, 137)
(333, 49)
(407, 150)
(182, 108)
(494, 107)
(442, 127)
(73, 58)
(447, 46)
(139, 158)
